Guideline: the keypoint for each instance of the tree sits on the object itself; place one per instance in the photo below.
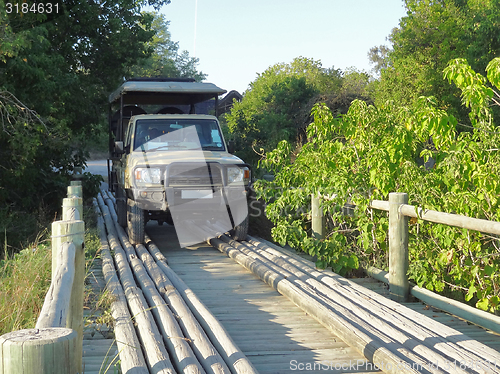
(165, 60)
(432, 33)
(278, 104)
(72, 59)
(56, 71)
(377, 149)
(378, 56)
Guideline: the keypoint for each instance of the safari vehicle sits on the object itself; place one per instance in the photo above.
(169, 161)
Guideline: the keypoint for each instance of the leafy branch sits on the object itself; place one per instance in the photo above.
(374, 150)
(12, 110)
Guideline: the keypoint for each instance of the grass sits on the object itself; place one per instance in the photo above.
(25, 279)
(97, 301)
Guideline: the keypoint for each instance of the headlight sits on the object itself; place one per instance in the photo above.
(147, 176)
(236, 174)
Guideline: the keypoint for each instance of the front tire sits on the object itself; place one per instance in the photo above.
(135, 223)
(240, 232)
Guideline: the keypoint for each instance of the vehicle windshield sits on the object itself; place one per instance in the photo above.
(177, 134)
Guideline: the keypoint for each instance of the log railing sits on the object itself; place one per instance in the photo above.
(55, 344)
(397, 278)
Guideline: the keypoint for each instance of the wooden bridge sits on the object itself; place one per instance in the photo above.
(262, 308)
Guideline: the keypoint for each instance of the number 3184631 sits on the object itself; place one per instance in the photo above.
(32, 8)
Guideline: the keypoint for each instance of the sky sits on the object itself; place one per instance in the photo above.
(236, 40)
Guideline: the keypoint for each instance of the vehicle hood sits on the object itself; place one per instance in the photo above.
(165, 158)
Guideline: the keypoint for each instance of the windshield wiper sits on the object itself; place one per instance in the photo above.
(166, 146)
(212, 148)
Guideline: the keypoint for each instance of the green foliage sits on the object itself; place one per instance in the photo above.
(64, 65)
(56, 72)
(91, 185)
(277, 106)
(374, 150)
(433, 33)
(24, 281)
(165, 60)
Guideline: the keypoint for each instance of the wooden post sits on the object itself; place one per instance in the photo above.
(39, 351)
(72, 231)
(55, 309)
(398, 247)
(75, 191)
(317, 217)
(72, 209)
(77, 175)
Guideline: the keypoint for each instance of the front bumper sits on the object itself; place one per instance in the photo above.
(191, 198)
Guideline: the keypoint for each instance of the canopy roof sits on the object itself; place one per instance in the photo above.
(165, 91)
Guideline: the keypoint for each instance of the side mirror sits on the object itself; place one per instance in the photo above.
(230, 146)
(119, 147)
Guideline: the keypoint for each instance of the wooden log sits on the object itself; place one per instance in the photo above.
(72, 231)
(357, 310)
(65, 231)
(398, 247)
(410, 334)
(175, 340)
(207, 355)
(75, 191)
(431, 332)
(156, 354)
(378, 349)
(107, 194)
(479, 317)
(39, 351)
(55, 309)
(456, 220)
(379, 205)
(154, 348)
(78, 175)
(129, 348)
(318, 220)
(72, 209)
(235, 359)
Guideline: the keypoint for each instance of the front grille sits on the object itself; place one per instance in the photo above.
(194, 174)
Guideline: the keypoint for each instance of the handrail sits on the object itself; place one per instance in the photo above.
(400, 287)
(450, 219)
(58, 335)
(469, 313)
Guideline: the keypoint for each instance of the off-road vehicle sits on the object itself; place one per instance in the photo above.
(169, 161)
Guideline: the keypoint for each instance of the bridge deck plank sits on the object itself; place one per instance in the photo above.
(267, 327)
(99, 345)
